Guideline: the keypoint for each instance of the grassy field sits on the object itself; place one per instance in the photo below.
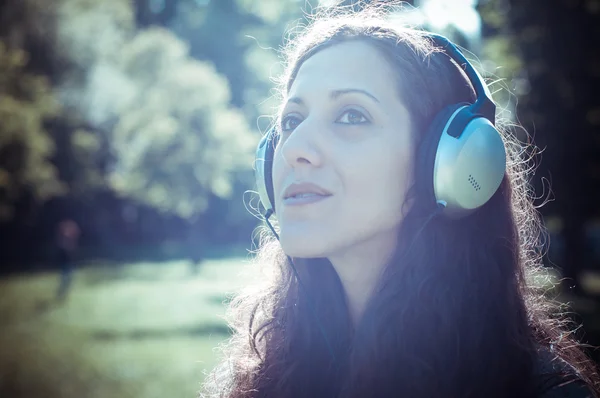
(137, 330)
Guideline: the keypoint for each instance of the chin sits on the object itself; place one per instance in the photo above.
(302, 247)
(300, 251)
(305, 239)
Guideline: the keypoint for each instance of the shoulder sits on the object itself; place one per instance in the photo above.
(555, 378)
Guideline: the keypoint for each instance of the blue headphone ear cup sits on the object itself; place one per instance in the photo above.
(269, 168)
(263, 168)
(428, 149)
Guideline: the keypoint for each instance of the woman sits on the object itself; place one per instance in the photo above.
(376, 286)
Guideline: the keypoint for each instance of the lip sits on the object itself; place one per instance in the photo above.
(304, 187)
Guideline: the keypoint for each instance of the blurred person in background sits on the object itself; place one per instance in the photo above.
(195, 250)
(405, 234)
(66, 240)
(194, 245)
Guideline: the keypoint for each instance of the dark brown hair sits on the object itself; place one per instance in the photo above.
(452, 317)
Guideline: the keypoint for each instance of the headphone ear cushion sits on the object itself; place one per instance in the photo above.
(427, 150)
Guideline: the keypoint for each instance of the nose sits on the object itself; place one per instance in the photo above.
(301, 147)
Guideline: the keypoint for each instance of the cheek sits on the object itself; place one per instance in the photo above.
(385, 181)
(278, 173)
(401, 178)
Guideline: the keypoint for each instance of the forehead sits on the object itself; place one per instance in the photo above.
(351, 64)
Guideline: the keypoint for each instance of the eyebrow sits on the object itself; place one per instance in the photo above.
(336, 93)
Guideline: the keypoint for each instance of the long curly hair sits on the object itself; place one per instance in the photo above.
(453, 314)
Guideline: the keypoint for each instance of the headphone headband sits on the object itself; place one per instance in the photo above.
(484, 105)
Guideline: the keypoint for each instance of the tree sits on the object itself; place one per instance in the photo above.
(164, 118)
(176, 139)
(240, 37)
(26, 103)
(54, 34)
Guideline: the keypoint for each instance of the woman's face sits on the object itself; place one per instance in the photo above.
(345, 130)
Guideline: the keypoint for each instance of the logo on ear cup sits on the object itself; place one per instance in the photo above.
(474, 183)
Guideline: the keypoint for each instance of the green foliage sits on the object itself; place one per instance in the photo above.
(241, 38)
(502, 62)
(262, 58)
(85, 150)
(144, 115)
(175, 139)
(26, 102)
(164, 118)
(83, 32)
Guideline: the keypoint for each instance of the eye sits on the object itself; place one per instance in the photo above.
(352, 116)
(289, 123)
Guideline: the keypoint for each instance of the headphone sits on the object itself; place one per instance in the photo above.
(460, 162)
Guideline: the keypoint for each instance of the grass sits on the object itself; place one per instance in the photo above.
(137, 330)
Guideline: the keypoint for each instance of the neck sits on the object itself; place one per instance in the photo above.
(359, 268)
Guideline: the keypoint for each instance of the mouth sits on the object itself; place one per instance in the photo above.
(304, 193)
(304, 199)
